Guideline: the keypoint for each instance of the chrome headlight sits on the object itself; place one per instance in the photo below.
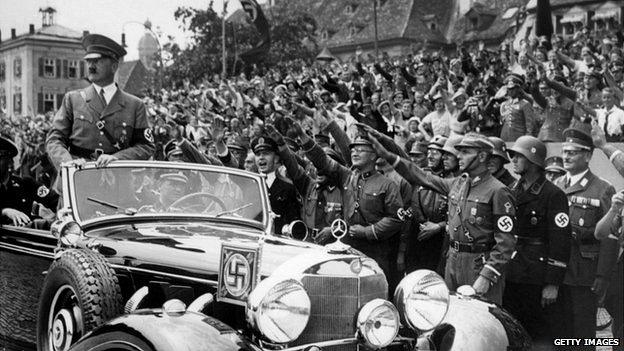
(378, 323)
(67, 231)
(422, 298)
(279, 310)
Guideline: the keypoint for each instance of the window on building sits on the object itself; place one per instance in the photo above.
(48, 68)
(324, 35)
(73, 69)
(48, 102)
(17, 67)
(352, 31)
(2, 71)
(17, 102)
(432, 26)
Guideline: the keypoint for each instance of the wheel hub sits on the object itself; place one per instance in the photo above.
(62, 330)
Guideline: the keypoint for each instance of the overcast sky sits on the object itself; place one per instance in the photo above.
(105, 17)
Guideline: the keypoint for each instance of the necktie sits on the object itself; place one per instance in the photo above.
(567, 183)
(102, 96)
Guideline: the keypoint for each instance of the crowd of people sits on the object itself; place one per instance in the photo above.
(411, 152)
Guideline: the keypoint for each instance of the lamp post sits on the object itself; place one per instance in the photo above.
(375, 21)
(160, 59)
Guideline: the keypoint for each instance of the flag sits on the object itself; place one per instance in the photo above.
(543, 19)
(262, 25)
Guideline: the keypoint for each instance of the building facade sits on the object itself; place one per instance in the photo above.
(37, 68)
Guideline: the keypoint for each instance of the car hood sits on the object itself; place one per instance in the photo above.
(191, 249)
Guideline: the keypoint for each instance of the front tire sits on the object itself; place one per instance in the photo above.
(80, 292)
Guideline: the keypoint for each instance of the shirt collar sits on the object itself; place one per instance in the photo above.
(575, 178)
(109, 90)
(480, 177)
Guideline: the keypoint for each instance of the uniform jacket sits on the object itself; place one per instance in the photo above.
(558, 116)
(76, 124)
(544, 234)
(481, 211)
(589, 200)
(284, 203)
(505, 177)
(20, 193)
(517, 118)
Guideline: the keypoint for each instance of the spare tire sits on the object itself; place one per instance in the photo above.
(80, 292)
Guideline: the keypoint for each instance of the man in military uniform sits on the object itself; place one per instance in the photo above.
(481, 216)
(171, 187)
(17, 195)
(101, 122)
(591, 261)
(554, 168)
(418, 153)
(538, 265)
(517, 116)
(497, 162)
(282, 193)
(370, 200)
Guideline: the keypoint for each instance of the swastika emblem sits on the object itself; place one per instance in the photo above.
(237, 275)
(562, 220)
(505, 224)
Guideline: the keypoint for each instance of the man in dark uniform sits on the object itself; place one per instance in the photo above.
(282, 193)
(370, 200)
(481, 216)
(554, 168)
(591, 261)
(101, 122)
(497, 162)
(17, 195)
(538, 265)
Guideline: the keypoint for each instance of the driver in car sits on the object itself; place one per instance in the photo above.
(171, 187)
(20, 197)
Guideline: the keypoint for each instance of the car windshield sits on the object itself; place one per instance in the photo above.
(132, 191)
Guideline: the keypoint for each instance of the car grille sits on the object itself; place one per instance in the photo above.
(335, 303)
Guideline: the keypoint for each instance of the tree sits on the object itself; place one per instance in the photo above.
(292, 31)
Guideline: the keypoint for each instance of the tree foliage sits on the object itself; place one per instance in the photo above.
(292, 37)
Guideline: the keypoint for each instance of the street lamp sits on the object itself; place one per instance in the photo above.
(160, 59)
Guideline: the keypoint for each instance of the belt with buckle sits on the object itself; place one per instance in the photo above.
(530, 240)
(468, 247)
(85, 153)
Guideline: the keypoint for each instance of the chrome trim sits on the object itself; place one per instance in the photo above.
(35, 243)
(338, 342)
(16, 248)
(170, 275)
(30, 231)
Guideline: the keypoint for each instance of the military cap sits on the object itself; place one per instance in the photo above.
(98, 46)
(437, 142)
(514, 80)
(172, 149)
(449, 145)
(500, 149)
(175, 177)
(322, 139)
(263, 143)
(418, 148)
(235, 145)
(293, 145)
(475, 141)
(359, 140)
(554, 164)
(7, 148)
(577, 139)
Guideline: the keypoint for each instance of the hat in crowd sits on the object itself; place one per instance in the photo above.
(418, 148)
(514, 80)
(500, 149)
(174, 177)
(554, 164)
(397, 93)
(437, 142)
(449, 145)
(360, 141)
(322, 139)
(577, 139)
(98, 46)
(7, 148)
(235, 145)
(293, 145)
(263, 143)
(436, 97)
(460, 92)
(475, 141)
(172, 149)
(385, 102)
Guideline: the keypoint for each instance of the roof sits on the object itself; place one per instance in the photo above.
(132, 77)
(493, 29)
(532, 4)
(53, 32)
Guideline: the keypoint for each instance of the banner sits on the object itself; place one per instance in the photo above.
(543, 20)
(262, 25)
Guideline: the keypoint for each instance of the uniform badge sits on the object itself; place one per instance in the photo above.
(479, 220)
(473, 211)
(505, 224)
(584, 182)
(404, 214)
(238, 273)
(533, 220)
(562, 220)
(581, 222)
(147, 133)
(508, 207)
(42, 191)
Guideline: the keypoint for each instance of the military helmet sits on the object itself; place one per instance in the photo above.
(437, 142)
(531, 148)
(449, 145)
(500, 149)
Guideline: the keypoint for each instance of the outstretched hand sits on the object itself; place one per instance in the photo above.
(274, 134)
(294, 126)
(380, 149)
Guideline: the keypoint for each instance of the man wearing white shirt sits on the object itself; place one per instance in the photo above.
(611, 117)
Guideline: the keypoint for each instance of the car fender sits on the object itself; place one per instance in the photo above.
(153, 329)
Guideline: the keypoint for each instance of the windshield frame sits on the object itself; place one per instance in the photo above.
(70, 194)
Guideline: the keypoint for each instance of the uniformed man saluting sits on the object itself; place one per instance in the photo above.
(537, 267)
(17, 195)
(481, 216)
(101, 122)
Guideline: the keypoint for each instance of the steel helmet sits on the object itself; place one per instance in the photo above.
(531, 148)
(500, 149)
(449, 145)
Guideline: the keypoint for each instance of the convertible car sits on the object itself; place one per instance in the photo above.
(176, 256)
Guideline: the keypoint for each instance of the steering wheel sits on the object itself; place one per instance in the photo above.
(200, 207)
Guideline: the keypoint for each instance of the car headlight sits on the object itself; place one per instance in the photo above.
(422, 298)
(378, 323)
(279, 310)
